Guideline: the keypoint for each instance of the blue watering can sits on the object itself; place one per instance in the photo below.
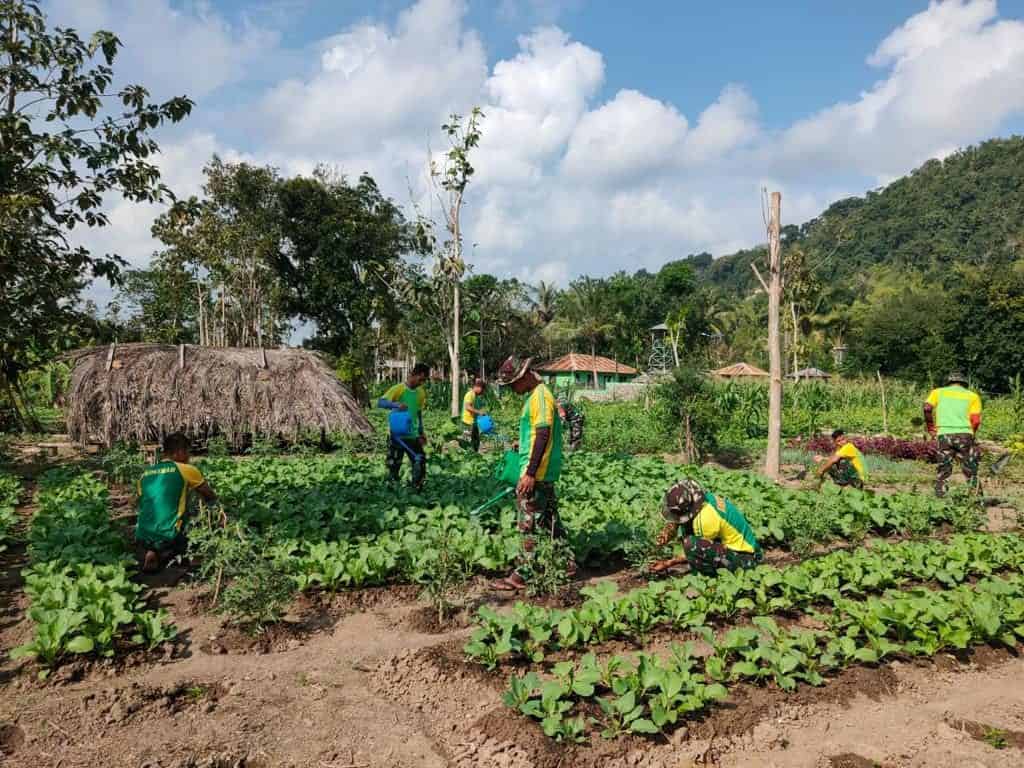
(485, 424)
(400, 423)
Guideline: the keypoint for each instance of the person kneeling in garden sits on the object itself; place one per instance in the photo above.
(540, 463)
(721, 537)
(163, 489)
(846, 465)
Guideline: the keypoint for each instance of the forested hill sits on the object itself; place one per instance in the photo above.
(968, 208)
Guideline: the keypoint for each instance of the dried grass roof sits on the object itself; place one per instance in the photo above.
(144, 391)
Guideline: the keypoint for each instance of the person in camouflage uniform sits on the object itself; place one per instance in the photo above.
(540, 464)
(721, 537)
(572, 418)
(953, 415)
(846, 464)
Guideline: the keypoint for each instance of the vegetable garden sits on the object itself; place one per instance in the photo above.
(853, 579)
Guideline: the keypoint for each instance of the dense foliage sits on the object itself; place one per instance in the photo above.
(82, 598)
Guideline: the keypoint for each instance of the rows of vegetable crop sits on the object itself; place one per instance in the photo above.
(82, 598)
(336, 522)
(649, 695)
(10, 490)
(691, 601)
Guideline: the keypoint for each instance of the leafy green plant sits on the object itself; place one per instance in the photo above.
(443, 571)
(549, 566)
(123, 462)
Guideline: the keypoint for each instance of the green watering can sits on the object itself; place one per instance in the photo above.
(507, 473)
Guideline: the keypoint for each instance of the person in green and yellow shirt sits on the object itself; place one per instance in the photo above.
(410, 398)
(715, 534)
(540, 464)
(953, 415)
(846, 465)
(161, 527)
(472, 407)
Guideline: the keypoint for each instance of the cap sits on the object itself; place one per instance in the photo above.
(513, 369)
(682, 501)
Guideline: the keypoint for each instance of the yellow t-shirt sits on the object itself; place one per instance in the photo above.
(711, 525)
(849, 451)
(470, 400)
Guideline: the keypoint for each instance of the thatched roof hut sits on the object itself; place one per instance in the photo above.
(141, 392)
(740, 371)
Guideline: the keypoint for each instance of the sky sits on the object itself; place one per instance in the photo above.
(616, 135)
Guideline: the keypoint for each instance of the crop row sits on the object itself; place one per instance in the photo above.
(692, 600)
(651, 694)
(10, 490)
(82, 599)
(336, 522)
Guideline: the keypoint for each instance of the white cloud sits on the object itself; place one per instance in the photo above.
(172, 51)
(571, 180)
(375, 82)
(957, 72)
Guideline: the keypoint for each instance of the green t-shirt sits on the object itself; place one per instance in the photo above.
(415, 401)
(163, 495)
(952, 408)
(540, 410)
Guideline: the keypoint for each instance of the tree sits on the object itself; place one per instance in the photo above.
(773, 288)
(162, 302)
(63, 149)
(340, 259)
(588, 310)
(450, 178)
(230, 240)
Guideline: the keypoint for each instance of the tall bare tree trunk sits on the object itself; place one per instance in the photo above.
(771, 464)
(796, 340)
(593, 360)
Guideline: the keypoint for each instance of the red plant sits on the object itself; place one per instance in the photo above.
(894, 448)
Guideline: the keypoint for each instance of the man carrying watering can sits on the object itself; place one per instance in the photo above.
(409, 398)
(540, 463)
(472, 407)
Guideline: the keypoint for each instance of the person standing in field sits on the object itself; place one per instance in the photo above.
(714, 533)
(410, 398)
(540, 464)
(572, 418)
(472, 408)
(161, 528)
(846, 465)
(953, 415)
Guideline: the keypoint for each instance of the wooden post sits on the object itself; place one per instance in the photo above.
(110, 356)
(181, 356)
(771, 464)
(885, 411)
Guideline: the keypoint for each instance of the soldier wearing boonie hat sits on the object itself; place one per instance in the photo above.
(953, 416)
(540, 464)
(721, 536)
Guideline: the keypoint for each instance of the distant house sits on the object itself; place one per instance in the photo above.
(815, 374)
(740, 371)
(577, 370)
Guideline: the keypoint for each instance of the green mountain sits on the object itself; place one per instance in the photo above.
(966, 209)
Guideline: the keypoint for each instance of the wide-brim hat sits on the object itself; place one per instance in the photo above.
(513, 369)
(682, 501)
(956, 377)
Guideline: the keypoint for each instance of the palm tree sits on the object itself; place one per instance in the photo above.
(588, 308)
(545, 301)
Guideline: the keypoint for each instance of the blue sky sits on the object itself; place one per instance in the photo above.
(618, 135)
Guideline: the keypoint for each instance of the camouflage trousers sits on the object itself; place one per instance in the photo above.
(843, 473)
(707, 556)
(538, 514)
(397, 452)
(963, 448)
